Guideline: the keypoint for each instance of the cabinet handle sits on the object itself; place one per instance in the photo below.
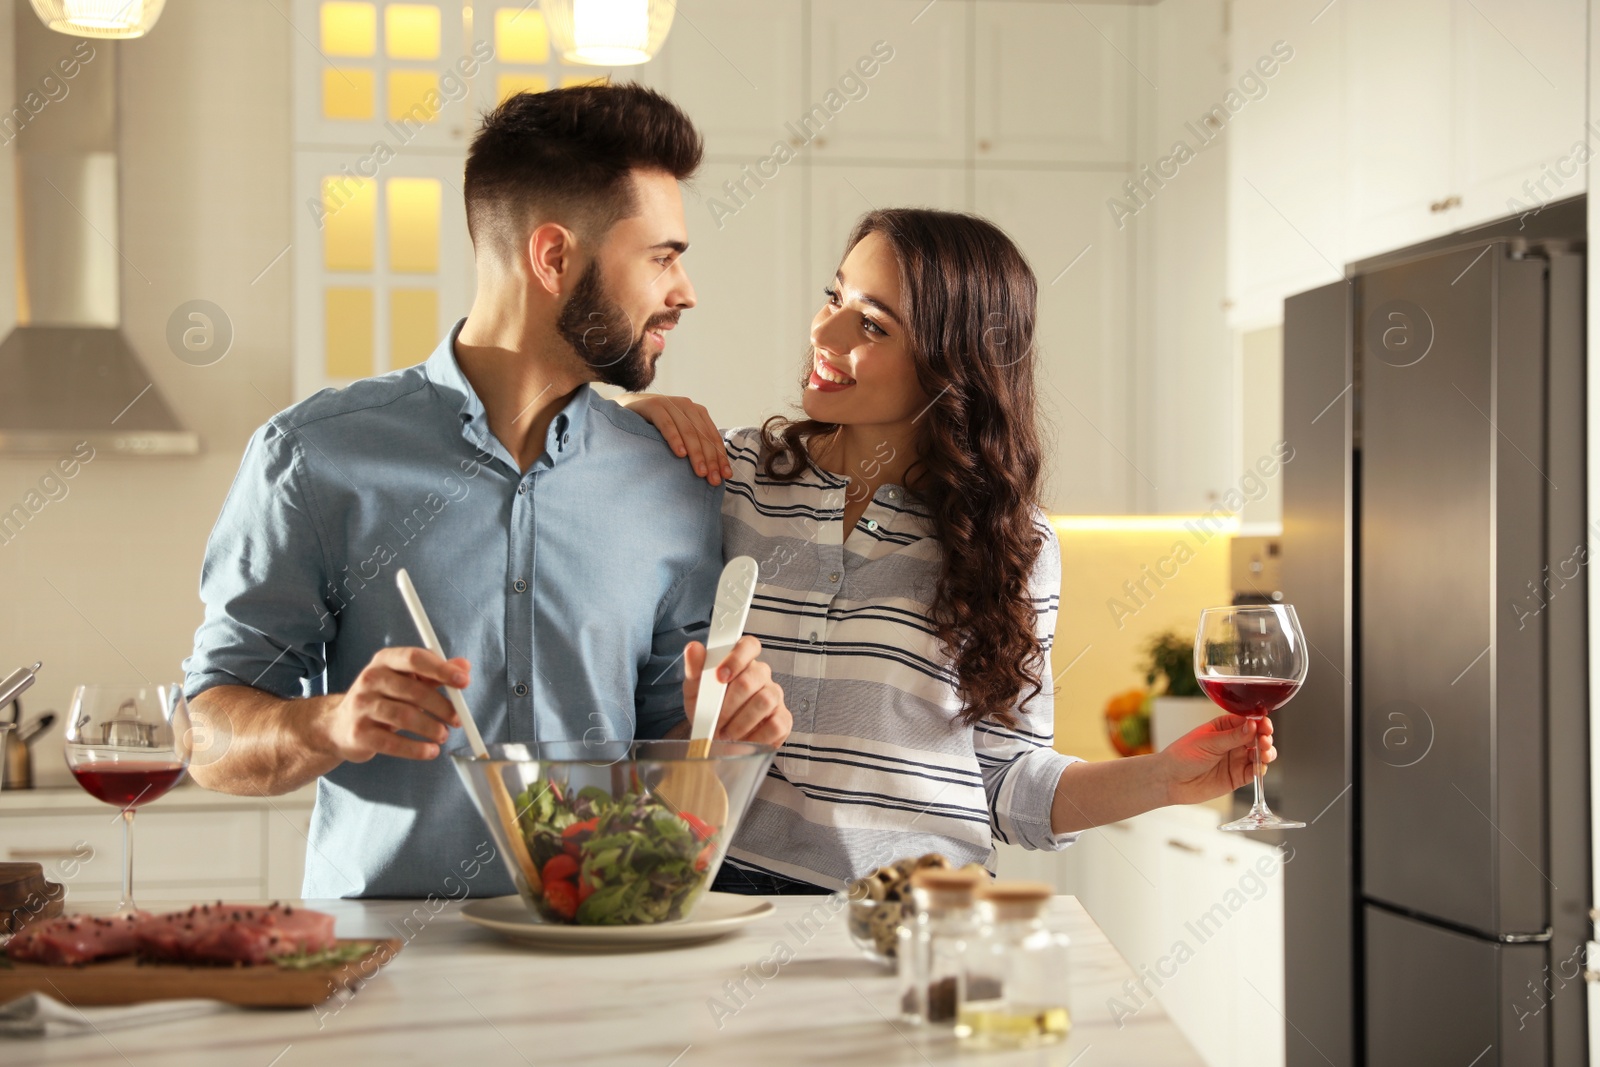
(1183, 846)
(43, 853)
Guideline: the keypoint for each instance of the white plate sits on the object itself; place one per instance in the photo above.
(715, 915)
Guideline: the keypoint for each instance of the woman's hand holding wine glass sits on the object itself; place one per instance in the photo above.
(1213, 760)
(1251, 660)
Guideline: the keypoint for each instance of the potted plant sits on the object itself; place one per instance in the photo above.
(1179, 705)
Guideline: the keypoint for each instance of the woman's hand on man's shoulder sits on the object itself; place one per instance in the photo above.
(687, 428)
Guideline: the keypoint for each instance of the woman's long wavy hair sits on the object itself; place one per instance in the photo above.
(969, 299)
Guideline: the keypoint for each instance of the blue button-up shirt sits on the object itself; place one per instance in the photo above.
(571, 587)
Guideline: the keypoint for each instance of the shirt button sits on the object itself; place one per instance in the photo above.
(805, 705)
(520, 586)
(566, 438)
(894, 494)
(523, 488)
(520, 689)
(834, 577)
(813, 637)
(872, 524)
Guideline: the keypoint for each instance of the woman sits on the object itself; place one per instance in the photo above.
(909, 580)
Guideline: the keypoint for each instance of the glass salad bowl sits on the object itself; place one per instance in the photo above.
(593, 834)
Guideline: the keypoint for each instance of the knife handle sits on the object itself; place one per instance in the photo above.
(735, 589)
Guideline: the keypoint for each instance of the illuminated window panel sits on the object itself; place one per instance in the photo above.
(569, 80)
(347, 331)
(347, 94)
(413, 325)
(520, 36)
(411, 31)
(349, 29)
(349, 222)
(512, 84)
(413, 208)
(414, 95)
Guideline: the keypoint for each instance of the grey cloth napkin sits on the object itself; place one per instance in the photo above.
(38, 1015)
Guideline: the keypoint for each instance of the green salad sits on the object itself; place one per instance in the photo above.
(607, 860)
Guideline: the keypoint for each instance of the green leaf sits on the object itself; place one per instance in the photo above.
(1171, 656)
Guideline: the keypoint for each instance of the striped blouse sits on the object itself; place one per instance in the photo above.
(878, 765)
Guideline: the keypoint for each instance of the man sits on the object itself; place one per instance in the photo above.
(565, 556)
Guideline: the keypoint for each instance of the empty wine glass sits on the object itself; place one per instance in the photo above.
(1250, 660)
(128, 745)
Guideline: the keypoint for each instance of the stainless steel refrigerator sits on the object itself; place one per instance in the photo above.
(1434, 544)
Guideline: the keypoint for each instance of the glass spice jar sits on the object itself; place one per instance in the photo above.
(933, 946)
(1017, 972)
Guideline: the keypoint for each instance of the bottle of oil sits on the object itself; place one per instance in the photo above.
(1017, 972)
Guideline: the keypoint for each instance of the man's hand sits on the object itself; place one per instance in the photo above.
(396, 691)
(754, 709)
(1214, 759)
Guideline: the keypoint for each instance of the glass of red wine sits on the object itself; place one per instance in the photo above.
(1250, 660)
(128, 745)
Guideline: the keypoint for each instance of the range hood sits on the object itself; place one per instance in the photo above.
(68, 373)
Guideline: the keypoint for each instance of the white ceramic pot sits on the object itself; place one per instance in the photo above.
(1172, 717)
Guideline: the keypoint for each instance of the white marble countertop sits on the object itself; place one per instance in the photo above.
(457, 994)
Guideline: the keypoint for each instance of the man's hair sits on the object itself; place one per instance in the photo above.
(565, 156)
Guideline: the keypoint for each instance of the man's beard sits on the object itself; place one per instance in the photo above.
(600, 332)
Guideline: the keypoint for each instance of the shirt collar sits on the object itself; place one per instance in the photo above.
(565, 436)
(445, 373)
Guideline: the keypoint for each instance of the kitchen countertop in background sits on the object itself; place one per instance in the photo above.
(459, 994)
(187, 795)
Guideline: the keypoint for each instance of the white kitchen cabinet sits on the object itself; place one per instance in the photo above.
(736, 68)
(1191, 910)
(915, 106)
(1185, 392)
(841, 194)
(1231, 917)
(1085, 370)
(1118, 869)
(1400, 124)
(191, 845)
(287, 830)
(1394, 124)
(1196, 950)
(1452, 105)
(1256, 979)
(1519, 86)
(1285, 157)
(740, 349)
(1052, 83)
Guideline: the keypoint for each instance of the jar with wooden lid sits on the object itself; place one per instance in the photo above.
(1017, 972)
(934, 942)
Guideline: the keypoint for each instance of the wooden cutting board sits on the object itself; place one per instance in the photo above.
(127, 981)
